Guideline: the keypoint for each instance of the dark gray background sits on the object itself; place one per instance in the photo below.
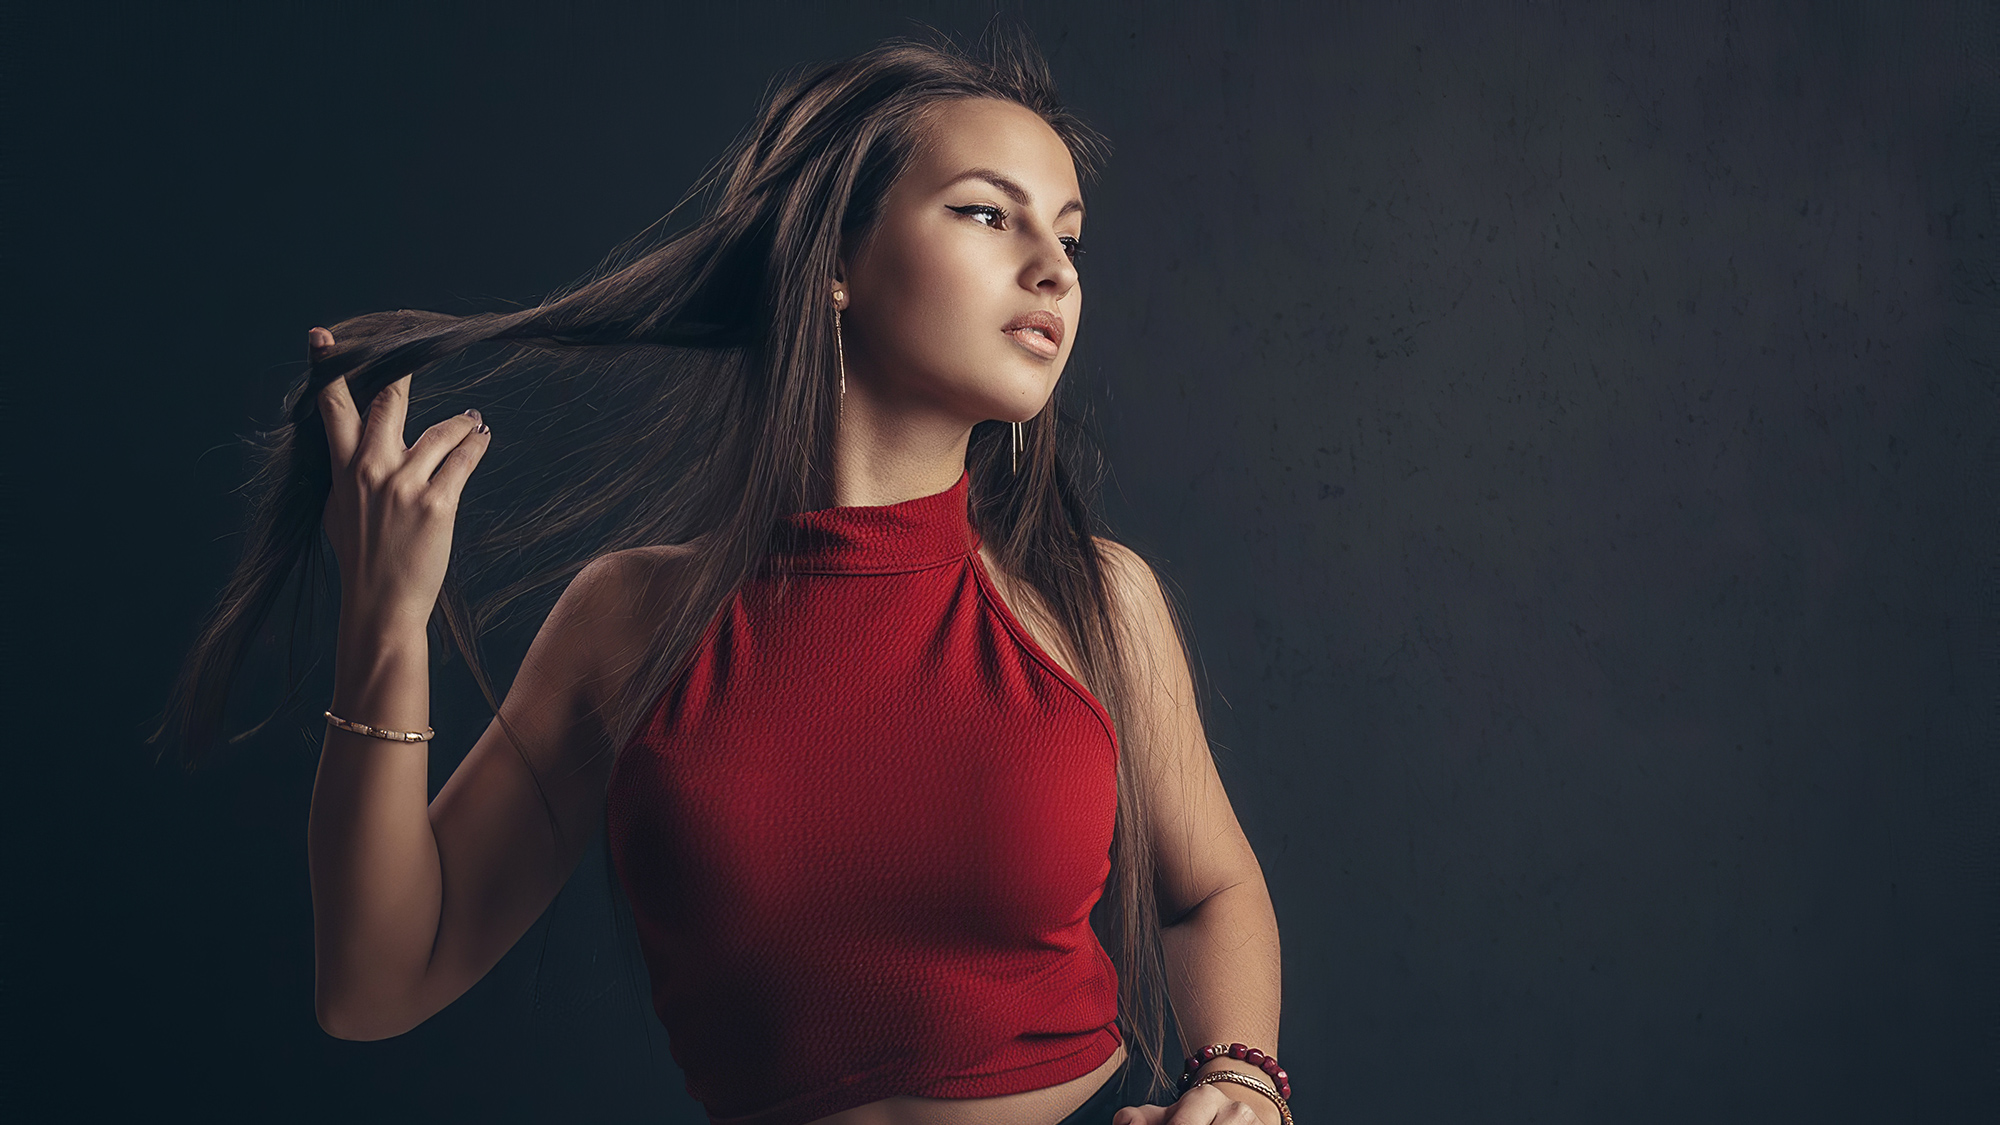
(1570, 429)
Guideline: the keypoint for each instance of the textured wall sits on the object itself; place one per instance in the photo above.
(1569, 428)
(1569, 434)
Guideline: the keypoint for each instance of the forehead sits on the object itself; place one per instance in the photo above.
(1008, 138)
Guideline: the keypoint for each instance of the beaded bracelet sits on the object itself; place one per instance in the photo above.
(1266, 1063)
(1240, 1079)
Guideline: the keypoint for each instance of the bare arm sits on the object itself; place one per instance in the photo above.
(415, 901)
(1220, 933)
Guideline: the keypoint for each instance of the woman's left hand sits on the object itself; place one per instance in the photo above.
(1203, 1105)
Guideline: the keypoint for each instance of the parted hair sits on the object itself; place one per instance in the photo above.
(697, 399)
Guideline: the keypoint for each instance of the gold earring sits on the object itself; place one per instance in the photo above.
(1019, 445)
(840, 352)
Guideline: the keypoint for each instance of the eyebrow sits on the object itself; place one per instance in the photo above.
(1012, 189)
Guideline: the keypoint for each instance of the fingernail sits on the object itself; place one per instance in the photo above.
(483, 429)
(472, 414)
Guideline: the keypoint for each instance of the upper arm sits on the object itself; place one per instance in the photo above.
(516, 814)
(1198, 846)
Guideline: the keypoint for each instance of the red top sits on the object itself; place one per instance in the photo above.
(863, 834)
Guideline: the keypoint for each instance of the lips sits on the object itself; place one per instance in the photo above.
(1039, 332)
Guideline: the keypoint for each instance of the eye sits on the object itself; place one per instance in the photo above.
(977, 210)
(981, 212)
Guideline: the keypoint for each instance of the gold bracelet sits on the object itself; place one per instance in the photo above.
(424, 735)
(1241, 1079)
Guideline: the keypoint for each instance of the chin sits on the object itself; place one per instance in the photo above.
(1021, 405)
(1004, 392)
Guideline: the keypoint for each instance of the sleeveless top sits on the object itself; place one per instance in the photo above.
(863, 832)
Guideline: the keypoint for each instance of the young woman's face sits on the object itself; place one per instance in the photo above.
(977, 236)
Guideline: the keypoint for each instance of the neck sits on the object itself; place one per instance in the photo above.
(884, 455)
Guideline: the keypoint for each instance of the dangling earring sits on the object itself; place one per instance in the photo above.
(840, 353)
(1019, 445)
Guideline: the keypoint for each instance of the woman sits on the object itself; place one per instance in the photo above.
(873, 721)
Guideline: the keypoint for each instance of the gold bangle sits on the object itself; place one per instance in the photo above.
(424, 735)
(1241, 1079)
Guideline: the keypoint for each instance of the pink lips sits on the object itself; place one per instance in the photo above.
(1039, 332)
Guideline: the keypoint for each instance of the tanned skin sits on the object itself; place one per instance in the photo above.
(415, 900)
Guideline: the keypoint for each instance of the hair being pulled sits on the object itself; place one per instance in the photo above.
(685, 394)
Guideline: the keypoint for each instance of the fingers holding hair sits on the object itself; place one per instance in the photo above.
(382, 430)
(437, 443)
(462, 458)
(336, 405)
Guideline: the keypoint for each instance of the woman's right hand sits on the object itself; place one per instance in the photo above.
(392, 507)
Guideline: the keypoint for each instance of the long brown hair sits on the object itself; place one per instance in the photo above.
(705, 369)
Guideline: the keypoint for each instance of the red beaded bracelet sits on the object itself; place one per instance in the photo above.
(1266, 1063)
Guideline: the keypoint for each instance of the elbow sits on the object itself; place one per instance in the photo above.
(344, 1018)
(356, 998)
(351, 1026)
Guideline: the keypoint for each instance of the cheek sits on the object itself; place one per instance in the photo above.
(1071, 307)
(932, 301)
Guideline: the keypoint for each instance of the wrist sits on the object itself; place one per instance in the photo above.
(381, 676)
(369, 623)
(372, 636)
(1265, 1109)
(1242, 1073)
(1239, 1058)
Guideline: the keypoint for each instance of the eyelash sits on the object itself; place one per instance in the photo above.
(1074, 246)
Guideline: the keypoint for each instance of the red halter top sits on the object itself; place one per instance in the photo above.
(863, 833)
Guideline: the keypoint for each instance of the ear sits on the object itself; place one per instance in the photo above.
(837, 286)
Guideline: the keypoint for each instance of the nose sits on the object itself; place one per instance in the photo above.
(1050, 271)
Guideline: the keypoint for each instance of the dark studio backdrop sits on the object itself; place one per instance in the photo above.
(1570, 428)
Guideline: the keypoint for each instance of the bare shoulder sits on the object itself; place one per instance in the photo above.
(626, 579)
(1122, 563)
(1137, 599)
(601, 626)
(1156, 653)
